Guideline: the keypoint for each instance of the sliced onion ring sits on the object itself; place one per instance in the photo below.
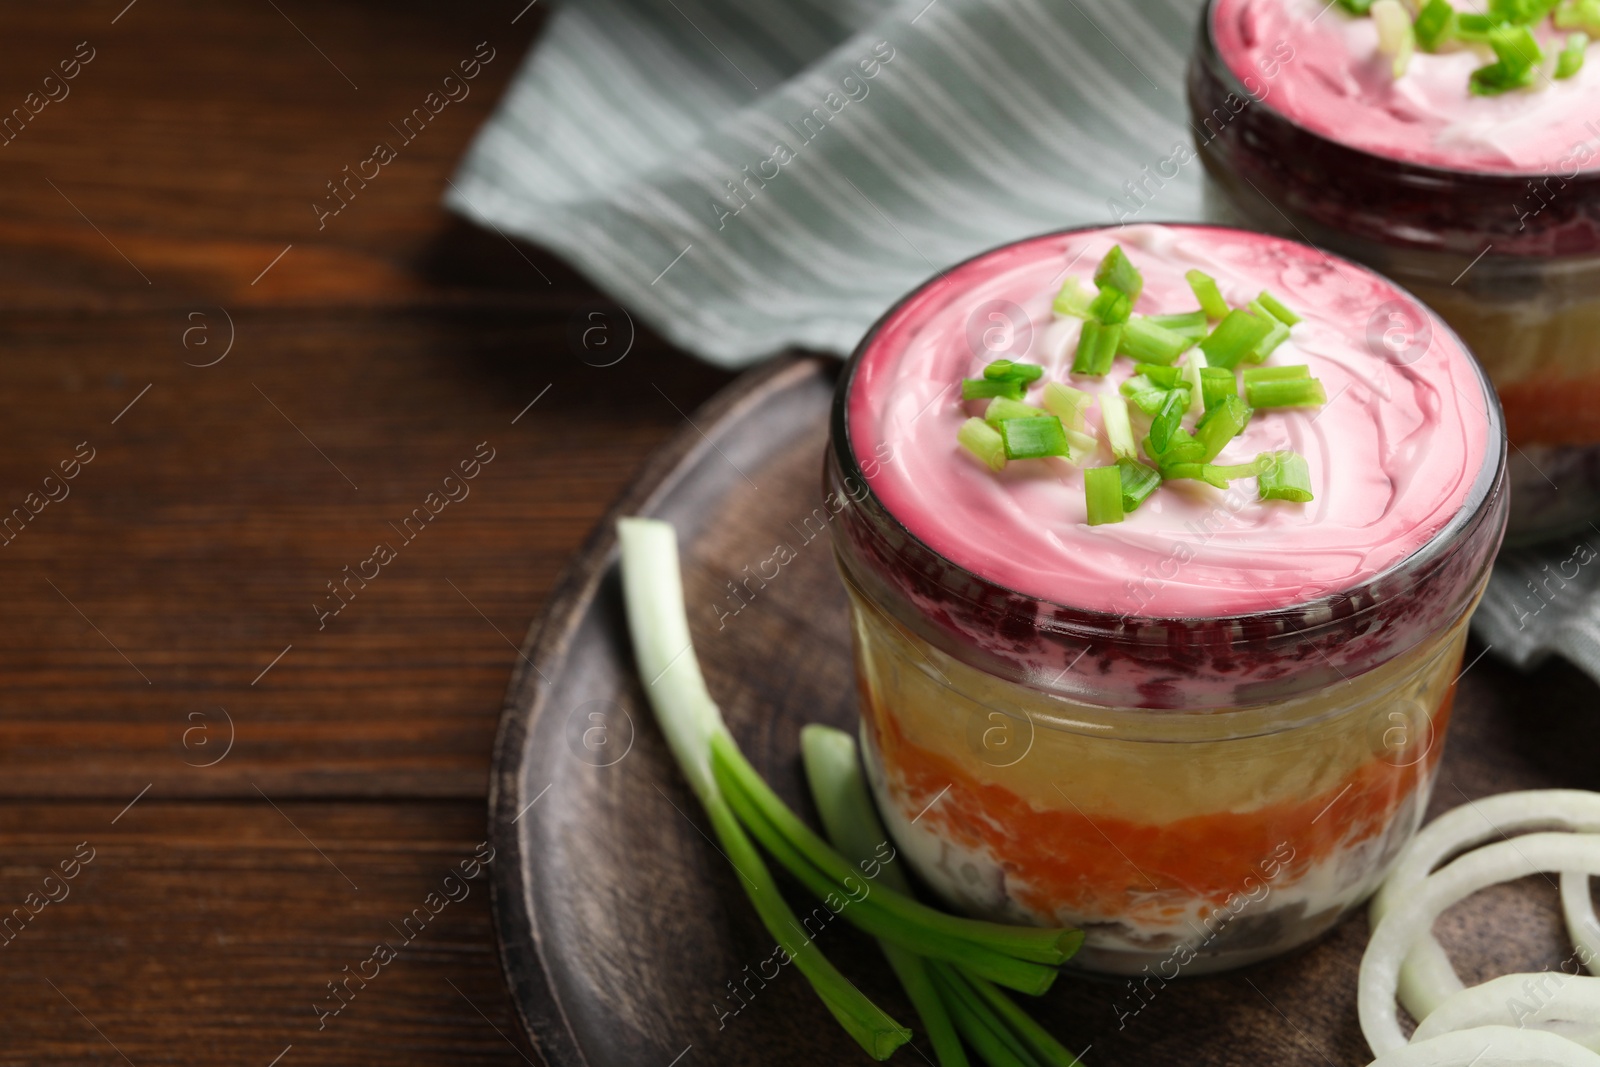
(1491, 1046)
(1428, 977)
(1517, 1000)
(1396, 933)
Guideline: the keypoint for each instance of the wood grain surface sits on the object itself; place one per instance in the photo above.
(142, 219)
(622, 925)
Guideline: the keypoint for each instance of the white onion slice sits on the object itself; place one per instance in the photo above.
(1491, 1046)
(1518, 1000)
(1428, 977)
(1396, 933)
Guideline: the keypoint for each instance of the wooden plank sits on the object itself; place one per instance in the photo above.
(202, 934)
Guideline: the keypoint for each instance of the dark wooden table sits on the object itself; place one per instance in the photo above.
(167, 600)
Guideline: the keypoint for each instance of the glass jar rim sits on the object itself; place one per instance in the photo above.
(1486, 486)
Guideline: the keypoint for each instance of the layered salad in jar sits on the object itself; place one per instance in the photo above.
(1456, 148)
(1159, 577)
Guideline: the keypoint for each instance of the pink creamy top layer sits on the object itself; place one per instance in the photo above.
(1393, 455)
(1319, 66)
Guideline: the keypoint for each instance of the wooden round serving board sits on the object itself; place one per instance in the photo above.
(621, 926)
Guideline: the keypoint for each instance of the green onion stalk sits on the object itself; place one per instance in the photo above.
(743, 810)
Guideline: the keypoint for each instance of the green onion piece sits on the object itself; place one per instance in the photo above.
(1245, 470)
(1169, 418)
(1216, 383)
(1433, 26)
(1148, 342)
(986, 1034)
(1145, 394)
(1193, 364)
(1116, 271)
(1102, 490)
(1517, 55)
(1236, 337)
(984, 388)
(1080, 446)
(1066, 403)
(1296, 393)
(1034, 438)
(1203, 472)
(1474, 27)
(1002, 408)
(1396, 38)
(1183, 448)
(1571, 59)
(658, 622)
(1497, 78)
(983, 441)
(1206, 291)
(1138, 482)
(1579, 15)
(1119, 430)
(1519, 12)
(1284, 476)
(1274, 306)
(1008, 370)
(1162, 376)
(1275, 337)
(1276, 374)
(1190, 324)
(1356, 7)
(1220, 425)
(1097, 347)
(1111, 306)
(1073, 299)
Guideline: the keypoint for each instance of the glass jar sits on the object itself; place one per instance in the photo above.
(1194, 793)
(1510, 260)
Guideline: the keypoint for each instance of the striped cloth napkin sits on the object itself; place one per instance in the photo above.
(753, 175)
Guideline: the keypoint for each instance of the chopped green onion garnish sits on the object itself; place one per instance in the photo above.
(1275, 306)
(1220, 425)
(1033, 438)
(1497, 78)
(1145, 394)
(1275, 337)
(1193, 364)
(1183, 448)
(983, 441)
(1190, 324)
(1073, 299)
(984, 388)
(1356, 7)
(1160, 375)
(1007, 370)
(1168, 419)
(1216, 383)
(1284, 476)
(1519, 12)
(1067, 404)
(1236, 337)
(1579, 15)
(1149, 342)
(1276, 374)
(1203, 472)
(1571, 59)
(1518, 54)
(1119, 430)
(1080, 446)
(1138, 482)
(1210, 297)
(1433, 26)
(1002, 408)
(1395, 36)
(1102, 490)
(1116, 271)
(1111, 306)
(1293, 393)
(1097, 347)
(1474, 27)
